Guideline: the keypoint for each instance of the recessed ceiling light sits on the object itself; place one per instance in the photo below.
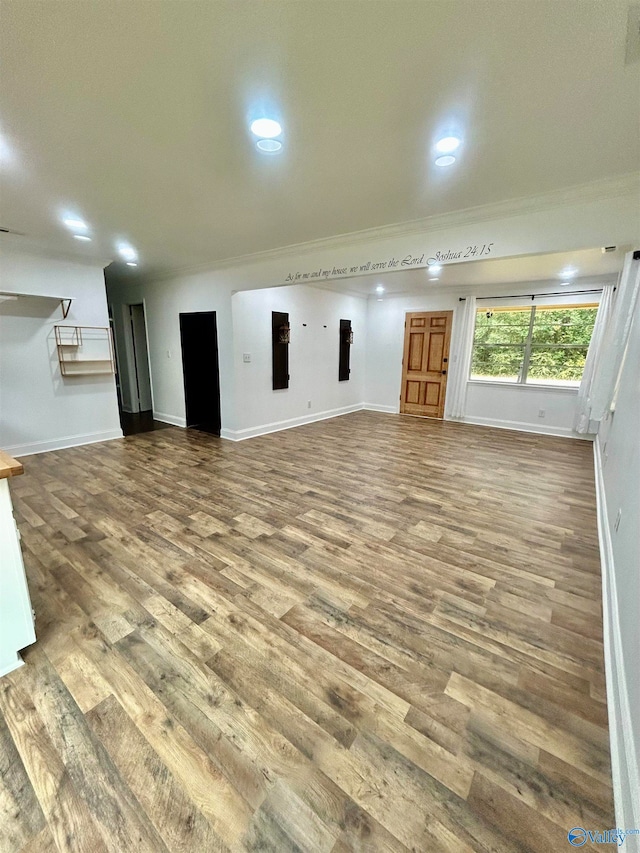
(447, 145)
(266, 128)
(445, 160)
(564, 283)
(127, 253)
(132, 264)
(434, 268)
(379, 289)
(82, 237)
(7, 155)
(270, 145)
(434, 278)
(75, 224)
(568, 272)
(380, 299)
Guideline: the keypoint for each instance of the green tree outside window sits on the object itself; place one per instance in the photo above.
(538, 345)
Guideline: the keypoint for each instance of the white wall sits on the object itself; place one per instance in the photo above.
(39, 409)
(313, 357)
(583, 217)
(492, 404)
(164, 301)
(244, 325)
(385, 341)
(519, 407)
(618, 445)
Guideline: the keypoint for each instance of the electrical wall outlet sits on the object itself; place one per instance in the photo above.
(246, 357)
(541, 413)
(168, 353)
(308, 404)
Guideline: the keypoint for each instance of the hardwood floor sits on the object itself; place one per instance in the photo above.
(374, 633)
(133, 423)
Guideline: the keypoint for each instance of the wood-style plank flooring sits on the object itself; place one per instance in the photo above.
(374, 633)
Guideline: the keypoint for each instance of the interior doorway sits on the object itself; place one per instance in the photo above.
(141, 396)
(133, 376)
(199, 340)
(425, 364)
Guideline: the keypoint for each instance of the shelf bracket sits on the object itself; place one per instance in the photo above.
(65, 304)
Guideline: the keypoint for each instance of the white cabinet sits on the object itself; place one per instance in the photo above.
(16, 617)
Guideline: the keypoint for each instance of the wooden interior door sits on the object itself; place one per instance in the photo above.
(426, 363)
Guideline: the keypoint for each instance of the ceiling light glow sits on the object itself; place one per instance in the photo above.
(445, 160)
(82, 237)
(448, 144)
(75, 224)
(435, 268)
(127, 253)
(568, 272)
(379, 289)
(269, 145)
(132, 264)
(564, 283)
(266, 128)
(7, 155)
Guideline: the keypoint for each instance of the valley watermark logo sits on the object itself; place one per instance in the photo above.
(578, 836)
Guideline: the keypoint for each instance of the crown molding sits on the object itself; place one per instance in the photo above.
(616, 187)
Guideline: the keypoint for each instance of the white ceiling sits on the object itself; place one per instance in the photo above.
(135, 115)
(591, 267)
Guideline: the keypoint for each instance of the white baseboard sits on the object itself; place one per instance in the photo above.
(625, 769)
(519, 426)
(522, 426)
(62, 443)
(374, 407)
(174, 420)
(6, 668)
(276, 426)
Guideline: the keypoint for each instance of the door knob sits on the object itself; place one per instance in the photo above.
(444, 372)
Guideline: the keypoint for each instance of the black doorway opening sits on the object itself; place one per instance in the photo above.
(199, 340)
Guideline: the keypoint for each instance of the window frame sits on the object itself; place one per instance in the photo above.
(527, 347)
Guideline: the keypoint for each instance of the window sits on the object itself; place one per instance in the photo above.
(541, 345)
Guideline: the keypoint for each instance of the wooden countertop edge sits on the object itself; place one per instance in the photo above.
(9, 467)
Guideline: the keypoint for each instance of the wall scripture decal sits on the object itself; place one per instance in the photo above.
(418, 260)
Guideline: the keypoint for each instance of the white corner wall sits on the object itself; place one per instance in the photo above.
(40, 409)
(489, 404)
(314, 391)
(618, 484)
(520, 407)
(164, 301)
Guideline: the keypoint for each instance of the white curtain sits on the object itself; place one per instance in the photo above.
(457, 387)
(607, 367)
(584, 406)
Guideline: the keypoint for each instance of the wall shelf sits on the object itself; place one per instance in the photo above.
(65, 301)
(84, 350)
